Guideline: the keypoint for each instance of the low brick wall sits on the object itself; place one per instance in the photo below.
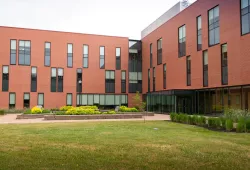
(30, 116)
(88, 117)
(142, 113)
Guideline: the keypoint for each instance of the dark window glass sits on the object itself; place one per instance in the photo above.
(60, 80)
(5, 78)
(70, 55)
(199, 33)
(205, 68)
(224, 65)
(40, 99)
(214, 26)
(13, 52)
(188, 71)
(154, 79)
(123, 82)
(102, 57)
(24, 52)
(159, 51)
(69, 99)
(182, 41)
(164, 76)
(151, 56)
(79, 80)
(110, 81)
(12, 100)
(33, 79)
(47, 54)
(53, 80)
(26, 100)
(85, 56)
(118, 58)
(245, 16)
(148, 80)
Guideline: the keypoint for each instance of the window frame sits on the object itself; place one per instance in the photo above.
(67, 99)
(179, 44)
(46, 55)
(85, 57)
(123, 82)
(31, 79)
(151, 55)
(149, 76)
(24, 52)
(188, 71)
(159, 52)
(118, 58)
(209, 45)
(164, 76)
(11, 51)
(9, 100)
(199, 34)
(23, 98)
(38, 99)
(51, 80)
(7, 88)
(101, 58)
(106, 91)
(68, 55)
(241, 18)
(203, 69)
(154, 78)
(57, 79)
(222, 82)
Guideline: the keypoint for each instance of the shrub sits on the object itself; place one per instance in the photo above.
(223, 122)
(236, 114)
(127, 109)
(45, 111)
(202, 120)
(111, 112)
(212, 122)
(183, 118)
(14, 111)
(89, 107)
(217, 123)
(173, 117)
(241, 126)
(55, 109)
(66, 108)
(248, 125)
(229, 125)
(81, 111)
(178, 118)
(36, 110)
(195, 120)
(28, 111)
(1, 112)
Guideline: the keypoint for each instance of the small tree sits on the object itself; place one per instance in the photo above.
(138, 103)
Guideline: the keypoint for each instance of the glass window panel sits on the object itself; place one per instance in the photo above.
(132, 75)
(180, 33)
(112, 75)
(245, 24)
(118, 51)
(101, 63)
(216, 12)
(21, 58)
(85, 49)
(53, 72)
(102, 50)
(27, 43)
(40, 99)
(199, 22)
(117, 100)
(102, 100)
(21, 43)
(107, 75)
(70, 48)
(211, 16)
(13, 44)
(217, 35)
(184, 31)
(85, 62)
(211, 37)
(33, 70)
(224, 48)
(12, 98)
(47, 45)
(123, 75)
(96, 99)
(123, 101)
(78, 99)
(70, 62)
(110, 100)
(90, 99)
(139, 75)
(5, 69)
(47, 60)
(60, 72)
(84, 99)
(244, 4)
(26, 96)
(69, 99)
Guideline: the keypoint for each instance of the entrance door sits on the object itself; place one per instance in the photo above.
(184, 105)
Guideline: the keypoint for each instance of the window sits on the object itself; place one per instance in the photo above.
(151, 56)
(214, 26)
(205, 68)
(182, 41)
(159, 51)
(188, 71)
(60, 80)
(70, 55)
(199, 33)
(5, 78)
(135, 82)
(102, 57)
(245, 17)
(224, 65)
(53, 80)
(148, 80)
(164, 76)
(47, 54)
(33, 79)
(69, 99)
(118, 58)
(13, 52)
(154, 79)
(40, 101)
(12, 100)
(24, 52)
(85, 63)
(110, 82)
(79, 80)
(123, 82)
(26, 100)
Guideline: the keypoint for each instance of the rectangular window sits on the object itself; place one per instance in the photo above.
(110, 82)
(224, 65)
(12, 52)
(102, 57)
(182, 41)
(123, 82)
(24, 52)
(159, 51)
(5, 78)
(245, 17)
(154, 79)
(164, 76)
(118, 58)
(26, 100)
(205, 68)
(47, 54)
(79, 80)
(199, 33)
(151, 56)
(33, 79)
(148, 80)
(12, 100)
(40, 99)
(53, 80)
(214, 26)
(70, 55)
(69, 99)
(60, 80)
(188, 71)
(85, 60)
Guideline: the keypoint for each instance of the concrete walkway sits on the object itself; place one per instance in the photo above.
(11, 119)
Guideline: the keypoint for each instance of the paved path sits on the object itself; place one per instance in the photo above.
(11, 119)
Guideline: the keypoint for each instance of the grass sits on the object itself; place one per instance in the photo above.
(121, 145)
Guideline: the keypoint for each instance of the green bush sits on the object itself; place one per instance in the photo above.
(248, 125)
(1, 112)
(190, 120)
(241, 126)
(178, 118)
(217, 123)
(66, 108)
(229, 125)
(45, 111)
(223, 122)
(111, 112)
(14, 111)
(195, 119)
(173, 117)
(55, 109)
(28, 111)
(183, 118)
(202, 120)
(212, 122)
(127, 109)
(236, 114)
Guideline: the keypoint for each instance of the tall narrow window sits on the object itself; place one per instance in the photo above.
(245, 17)
(12, 100)
(154, 79)
(79, 80)
(214, 26)
(33, 79)
(123, 82)
(110, 82)
(24, 53)
(85, 56)
(182, 41)
(13, 52)
(60, 80)
(159, 51)
(53, 80)
(69, 99)
(164, 76)
(148, 80)
(199, 34)
(40, 100)
(118, 58)
(5, 78)
(205, 68)
(70, 55)
(188, 71)
(47, 54)
(26, 100)
(151, 56)
(102, 57)
(224, 66)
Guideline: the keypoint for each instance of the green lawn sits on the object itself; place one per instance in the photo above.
(120, 145)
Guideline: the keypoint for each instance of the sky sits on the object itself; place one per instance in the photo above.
(126, 18)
